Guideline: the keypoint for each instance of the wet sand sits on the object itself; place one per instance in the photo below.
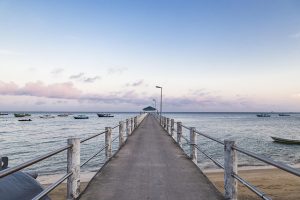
(279, 185)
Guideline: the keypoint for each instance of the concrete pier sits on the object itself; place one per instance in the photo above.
(150, 166)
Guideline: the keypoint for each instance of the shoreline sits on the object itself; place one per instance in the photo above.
(87, 176)
(276, 183)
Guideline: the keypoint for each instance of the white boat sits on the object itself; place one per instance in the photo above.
(47, 117)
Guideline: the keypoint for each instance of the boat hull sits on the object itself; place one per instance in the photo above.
(285, 141)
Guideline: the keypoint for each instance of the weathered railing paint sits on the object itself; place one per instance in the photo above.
(179, 133)
(230, 168)
(73, 158)
(172, 127)
(131, 125)
(127, 128)
(193, 143)
(108, 148)
(121, 134)
(168, 125)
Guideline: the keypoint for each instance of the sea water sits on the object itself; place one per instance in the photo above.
(22, 141)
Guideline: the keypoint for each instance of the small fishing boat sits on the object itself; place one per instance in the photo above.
(22, 115)
(3, 113)
(47, 117)
(283, 115)
(104, 115)
(263, 115)
(81, 117)
(285, 141)
(63, 115)
(24, 120)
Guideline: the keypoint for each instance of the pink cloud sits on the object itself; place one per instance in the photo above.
(39, 89)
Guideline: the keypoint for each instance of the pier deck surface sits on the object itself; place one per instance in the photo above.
(150, 166)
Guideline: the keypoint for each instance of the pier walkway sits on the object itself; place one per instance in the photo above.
(150, 166)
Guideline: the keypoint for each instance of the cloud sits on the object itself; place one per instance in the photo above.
(91, 79)
(116, 70)
(82, 78)
(77, 76)
(39, 89)
(57, 71)
(135, 84)
(63, 92)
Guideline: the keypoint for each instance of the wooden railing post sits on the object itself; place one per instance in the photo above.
(131, 125)
(230, 167)
(193, 143)
(135, 122)
(172, 127)
(121, 134)
(179, 132)
(168, 125)
(108, 149)
(165, 123)
(127, 128)
(73, 159)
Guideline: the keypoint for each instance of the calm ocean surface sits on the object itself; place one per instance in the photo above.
(22, 141)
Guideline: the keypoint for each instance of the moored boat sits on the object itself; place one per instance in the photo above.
(22, 114)
(285, 141)
(24, 120)
(284, 115)
(63, 115)
(81, 117)
(3, 113)
(104, 115)
(47, 117)
(263, 115)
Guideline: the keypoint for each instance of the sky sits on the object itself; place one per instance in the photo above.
(209, 56)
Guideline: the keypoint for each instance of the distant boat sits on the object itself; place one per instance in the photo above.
(285, 141)
(3, 113)
(22, 114)
(283, 115)
(104, 115)
(63, 115)
(81, 117)
(24, 120)
(47, 116)
(263, 115)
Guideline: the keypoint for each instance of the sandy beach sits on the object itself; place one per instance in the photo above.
(278, 184)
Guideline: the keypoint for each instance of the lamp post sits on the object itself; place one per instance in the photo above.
(160, 101)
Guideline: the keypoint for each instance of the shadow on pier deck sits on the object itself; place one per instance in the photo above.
(150, 166)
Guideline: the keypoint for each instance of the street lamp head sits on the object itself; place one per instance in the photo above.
(158, 87)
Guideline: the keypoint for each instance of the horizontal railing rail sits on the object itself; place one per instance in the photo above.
(11, 170)
(230, 158)
(127, 126)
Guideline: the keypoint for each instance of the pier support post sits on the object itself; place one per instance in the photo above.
(73, 158)
(108, 150)
(127, 128)
(179, 133)
(168, 125)
(193, 140)
(121, 134)
(230, 167)
(172, 127)
(131, 125)
(165, 123)
(135, 122)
